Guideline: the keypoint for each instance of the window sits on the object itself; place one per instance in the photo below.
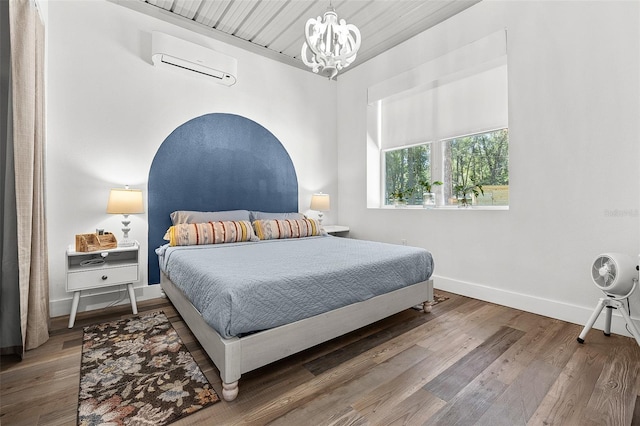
(474, 168)
(406, 172)
(445, 121)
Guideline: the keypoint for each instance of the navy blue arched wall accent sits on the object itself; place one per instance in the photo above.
(217, 162)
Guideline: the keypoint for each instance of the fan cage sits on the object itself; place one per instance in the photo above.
(622, 272)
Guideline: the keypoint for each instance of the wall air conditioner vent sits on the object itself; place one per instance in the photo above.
(174, 52)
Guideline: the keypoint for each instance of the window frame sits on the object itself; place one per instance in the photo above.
(470, 59)
(437, 167)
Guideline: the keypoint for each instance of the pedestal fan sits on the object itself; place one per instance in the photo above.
(616, 275)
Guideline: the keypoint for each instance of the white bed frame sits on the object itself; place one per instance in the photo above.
(235, 356)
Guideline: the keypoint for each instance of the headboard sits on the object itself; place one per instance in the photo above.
(217, 162)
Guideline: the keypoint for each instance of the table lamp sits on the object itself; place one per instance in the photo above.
(125, 201)
(322, 203)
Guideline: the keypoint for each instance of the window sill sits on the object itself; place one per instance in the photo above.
(471, 208)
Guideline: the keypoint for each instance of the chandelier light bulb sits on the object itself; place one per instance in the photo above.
(330, 45)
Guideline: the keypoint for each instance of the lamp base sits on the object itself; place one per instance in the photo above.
(126, 242)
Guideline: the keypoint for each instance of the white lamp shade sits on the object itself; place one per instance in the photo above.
(320, 202)
(125, 201)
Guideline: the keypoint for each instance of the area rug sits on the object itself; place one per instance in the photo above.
(437, 298)
(138, 371)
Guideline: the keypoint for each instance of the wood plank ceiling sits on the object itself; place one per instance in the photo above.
(275, 28)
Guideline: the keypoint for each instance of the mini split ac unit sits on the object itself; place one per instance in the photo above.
(174, 52)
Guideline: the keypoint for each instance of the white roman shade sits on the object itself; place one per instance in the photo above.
(462, 92)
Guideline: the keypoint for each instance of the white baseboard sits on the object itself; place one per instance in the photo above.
(537, 305)
(112, 296)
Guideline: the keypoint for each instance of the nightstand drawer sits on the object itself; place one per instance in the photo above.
(104, 277)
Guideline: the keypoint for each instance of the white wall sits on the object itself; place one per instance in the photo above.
(574, 104)
(109, 109)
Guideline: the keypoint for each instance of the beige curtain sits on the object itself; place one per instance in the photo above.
(28, 125)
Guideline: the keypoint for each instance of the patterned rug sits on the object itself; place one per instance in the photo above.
(437, 298)
(137, 371)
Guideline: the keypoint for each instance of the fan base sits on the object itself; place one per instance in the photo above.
(611, 304)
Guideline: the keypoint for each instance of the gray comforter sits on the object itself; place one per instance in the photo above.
(244, 287)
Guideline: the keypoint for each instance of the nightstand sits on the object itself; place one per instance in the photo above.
(97, 269)
(337, 230)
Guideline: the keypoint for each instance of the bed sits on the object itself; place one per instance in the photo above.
(226, 163)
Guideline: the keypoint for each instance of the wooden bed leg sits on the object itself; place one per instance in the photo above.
(427, 306)
(229, 390)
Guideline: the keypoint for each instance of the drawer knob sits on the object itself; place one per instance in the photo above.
(104, 277)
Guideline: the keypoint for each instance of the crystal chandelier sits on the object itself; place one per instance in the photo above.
(330, 46)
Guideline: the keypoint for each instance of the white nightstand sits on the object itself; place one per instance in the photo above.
(337, 230)
(96, 269)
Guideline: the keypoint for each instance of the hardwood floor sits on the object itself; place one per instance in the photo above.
(468, 362)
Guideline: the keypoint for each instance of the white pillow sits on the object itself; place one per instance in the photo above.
(255, 215)
(190, 216)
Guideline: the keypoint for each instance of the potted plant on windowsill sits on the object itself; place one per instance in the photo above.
(464, 193)
(428, 197)
(400, 197)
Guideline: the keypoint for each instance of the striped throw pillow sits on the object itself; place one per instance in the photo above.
(273, 229)
(188, 234)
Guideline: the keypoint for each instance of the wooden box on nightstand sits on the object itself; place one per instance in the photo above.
(96, 269)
